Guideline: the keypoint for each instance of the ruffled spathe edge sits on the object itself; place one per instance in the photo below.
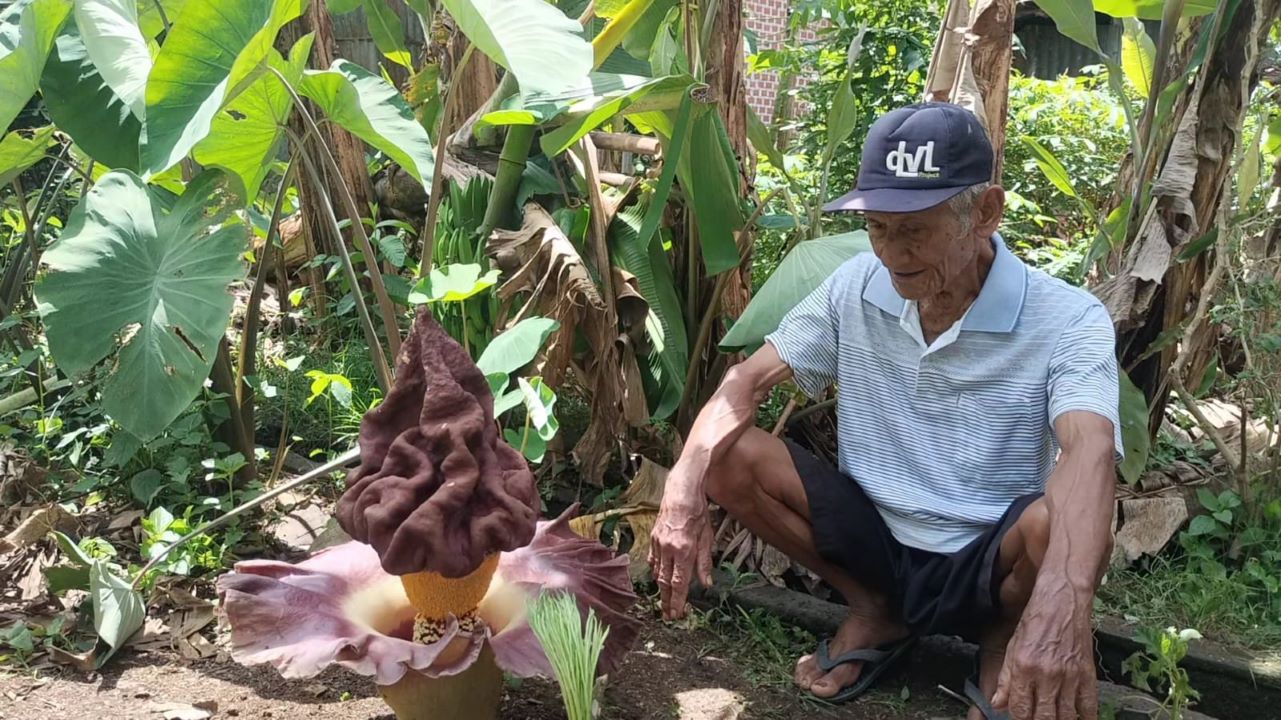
(340, 607)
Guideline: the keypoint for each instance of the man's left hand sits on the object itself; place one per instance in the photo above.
(1048, 672)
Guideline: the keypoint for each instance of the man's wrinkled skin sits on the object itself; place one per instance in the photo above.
(1037, 659)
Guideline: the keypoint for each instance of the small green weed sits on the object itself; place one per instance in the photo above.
(1157, 666)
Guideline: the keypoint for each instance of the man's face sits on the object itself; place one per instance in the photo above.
(924, 251)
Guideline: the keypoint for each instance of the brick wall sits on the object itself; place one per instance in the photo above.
(768, 19)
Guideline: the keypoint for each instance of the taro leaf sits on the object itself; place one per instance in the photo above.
(27, 32)
(83, 106)
(244, 137)
(205, 61)
(146, 484)
(540, 401)
(1151, 9)
(611, 95)
(388, 32)
(1134, 430)
(61, 578)
(1075, 19)
(110, 32)
(165, 273)
(72, 550)
(514, 348)
(17, 153)
(532, 38)
(452, 283)
(507, 401)
(803, 270)
(150, 20)
(118, 609)
(529, 443)
(342, 7)
(709, 173)
(1138, 56)
(371, 109)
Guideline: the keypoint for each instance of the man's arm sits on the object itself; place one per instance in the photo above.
(682, 536)
(1049, 666)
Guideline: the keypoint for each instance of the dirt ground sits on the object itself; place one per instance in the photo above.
(682, 674)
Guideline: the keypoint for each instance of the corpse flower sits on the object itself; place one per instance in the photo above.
(430, 597)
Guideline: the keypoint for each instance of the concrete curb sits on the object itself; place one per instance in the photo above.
(1232, 686)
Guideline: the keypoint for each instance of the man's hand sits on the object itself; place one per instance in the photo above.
(680, 543)
(1049, 664)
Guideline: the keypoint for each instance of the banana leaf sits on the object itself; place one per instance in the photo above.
(804, 269)
(664, 374)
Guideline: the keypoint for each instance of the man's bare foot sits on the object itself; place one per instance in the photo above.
(989, 672)
(857, 632)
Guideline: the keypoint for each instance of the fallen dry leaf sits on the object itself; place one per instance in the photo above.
(124, 520)
(36, 527)
(184, 711)
(84, 662)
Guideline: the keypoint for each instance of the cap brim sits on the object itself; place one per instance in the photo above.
(892, 200)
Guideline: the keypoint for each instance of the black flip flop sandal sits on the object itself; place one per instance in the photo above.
(875, 662)
(980, 701)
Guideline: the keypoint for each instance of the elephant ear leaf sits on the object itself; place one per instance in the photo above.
(138, 282)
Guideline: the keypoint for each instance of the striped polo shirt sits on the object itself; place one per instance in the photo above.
(944, 436)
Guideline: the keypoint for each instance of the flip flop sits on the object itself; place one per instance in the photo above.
(875, 662)
(980, 701)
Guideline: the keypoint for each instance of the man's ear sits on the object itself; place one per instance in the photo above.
(988, 211)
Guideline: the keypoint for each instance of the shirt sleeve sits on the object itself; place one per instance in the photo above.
(806, 339)
(1083, 371)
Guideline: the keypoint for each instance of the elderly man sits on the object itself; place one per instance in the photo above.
(978, 434)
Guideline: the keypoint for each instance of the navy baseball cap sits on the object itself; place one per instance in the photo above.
(918, 156)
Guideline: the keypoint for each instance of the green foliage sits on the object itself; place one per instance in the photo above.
(17, 152)
(533, 39)
(160, 529)
(371, 109)
(453, 283)
(573, 646)
(27, 32)
(1074, 19)
(804, 269)
(166, 264)
(116, 47)
(209, 51)
(515, 347)
(1081, 130)
(1134, 430)
(82, 105)
(243, 140)
(1158, 664)
(388, 32)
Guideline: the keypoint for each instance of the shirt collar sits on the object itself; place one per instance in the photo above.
(995, 310)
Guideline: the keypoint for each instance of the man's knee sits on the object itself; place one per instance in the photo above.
(1026, 544)
(1034, 527)
(731, 479)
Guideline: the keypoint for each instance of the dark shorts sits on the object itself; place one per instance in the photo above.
(944, 593)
